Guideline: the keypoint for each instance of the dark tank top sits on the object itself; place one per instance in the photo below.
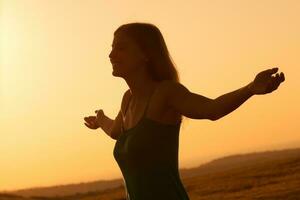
(147, 155)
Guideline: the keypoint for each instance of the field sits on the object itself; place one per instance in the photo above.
(272, 175)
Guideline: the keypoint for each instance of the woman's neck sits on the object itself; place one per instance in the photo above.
(141, 86)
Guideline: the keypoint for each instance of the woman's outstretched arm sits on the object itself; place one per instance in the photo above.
(227, 103)
(200, 107)
(263, 83)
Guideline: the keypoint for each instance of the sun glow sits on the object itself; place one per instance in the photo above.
(55, 70)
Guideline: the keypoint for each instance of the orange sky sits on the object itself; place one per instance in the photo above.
(55, 70)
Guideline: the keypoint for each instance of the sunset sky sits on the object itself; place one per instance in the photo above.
(55, 70)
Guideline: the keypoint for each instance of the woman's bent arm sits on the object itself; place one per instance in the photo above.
(106, 124)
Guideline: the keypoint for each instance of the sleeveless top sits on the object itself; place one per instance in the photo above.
(147, 155)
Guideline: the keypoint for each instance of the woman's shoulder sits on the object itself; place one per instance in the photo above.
(163, 93)
(169, 86)
(169, 83)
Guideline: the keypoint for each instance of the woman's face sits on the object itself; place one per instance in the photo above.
(125, 56)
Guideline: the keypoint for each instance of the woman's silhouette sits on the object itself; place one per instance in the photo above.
(147, 127)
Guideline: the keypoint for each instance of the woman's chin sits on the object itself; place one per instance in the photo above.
(115, 73)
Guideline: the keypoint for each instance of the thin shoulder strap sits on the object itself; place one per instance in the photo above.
(127, 106)
(145, 111)
(124, 114)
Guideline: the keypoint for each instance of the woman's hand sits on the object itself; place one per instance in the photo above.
(93, 122)
(265, 83)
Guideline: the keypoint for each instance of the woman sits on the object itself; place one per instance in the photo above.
(146, 129)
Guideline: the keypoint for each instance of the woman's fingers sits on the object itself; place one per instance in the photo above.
(271, 71)
(89, 118)
(99, 112)
(279, 78)
(90, 122)
(274, 83)
(282, 78)
(90, 126)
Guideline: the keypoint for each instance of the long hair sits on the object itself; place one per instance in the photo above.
(148, 37)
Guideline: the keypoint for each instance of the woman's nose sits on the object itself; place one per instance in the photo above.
(111, 55)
